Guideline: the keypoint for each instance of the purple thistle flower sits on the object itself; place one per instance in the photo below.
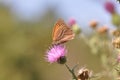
(72, 21)
(56, 54)
(110, 7)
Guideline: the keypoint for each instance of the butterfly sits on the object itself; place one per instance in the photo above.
(61, 33)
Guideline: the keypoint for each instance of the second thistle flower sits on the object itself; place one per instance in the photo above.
(76, 29)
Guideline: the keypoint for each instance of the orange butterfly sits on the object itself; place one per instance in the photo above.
(61, 33)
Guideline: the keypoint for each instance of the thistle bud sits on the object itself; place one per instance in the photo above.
(116, 19)
(62, 60)
(116, 33)
(102, 30)
(116, 42)
(84, 74)
(93, 24)
(76, 29)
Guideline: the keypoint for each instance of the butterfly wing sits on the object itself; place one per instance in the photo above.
(57, 30)
(68, 35)
(61, 32)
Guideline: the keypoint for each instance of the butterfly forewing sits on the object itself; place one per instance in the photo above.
(57, 29)
(61, 32)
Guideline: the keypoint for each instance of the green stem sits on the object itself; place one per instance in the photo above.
(72, 72)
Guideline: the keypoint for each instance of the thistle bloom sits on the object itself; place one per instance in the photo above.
(72, 21)
(109, 6)
(56, 54)
(74, 26)
(93, 24)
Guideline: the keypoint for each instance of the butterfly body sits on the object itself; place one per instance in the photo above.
(61, 33)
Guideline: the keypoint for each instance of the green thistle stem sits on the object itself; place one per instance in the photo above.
(72, 72)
